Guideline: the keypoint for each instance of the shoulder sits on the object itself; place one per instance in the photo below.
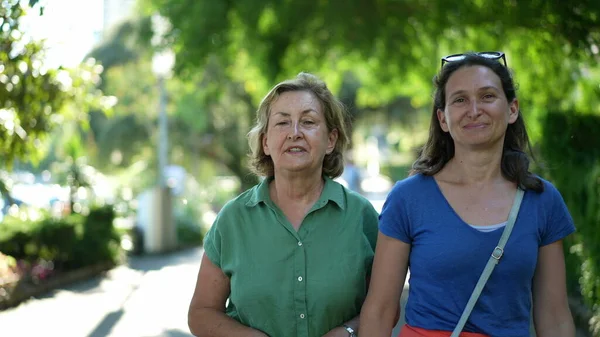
(557, 221)
(411, 186)
(410, 194)
(361, 212)
(354, 199)
(413, 182)
(241, 200)
(405, 202)
(549, 195)
(237, 206)
(549, 203)
(345, 198)
(549, 188)
(226, 226)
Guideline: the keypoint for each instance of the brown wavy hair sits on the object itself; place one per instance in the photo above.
(335, 118)
(439, 148)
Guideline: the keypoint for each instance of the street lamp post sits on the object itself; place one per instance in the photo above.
(161, 236)
(162, 63)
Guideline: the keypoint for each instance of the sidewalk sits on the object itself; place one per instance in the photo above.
(147, 298)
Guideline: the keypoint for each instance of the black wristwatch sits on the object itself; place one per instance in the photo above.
(351, 332)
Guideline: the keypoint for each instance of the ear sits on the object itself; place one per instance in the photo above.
(442, 120)
(264, 144)
(514, 111)
(333, 137)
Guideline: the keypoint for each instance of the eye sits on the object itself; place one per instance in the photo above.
(459, 100)
(308, 122)
(282, 123)
(488, 96)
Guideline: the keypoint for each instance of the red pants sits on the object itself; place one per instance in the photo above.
(409, 331)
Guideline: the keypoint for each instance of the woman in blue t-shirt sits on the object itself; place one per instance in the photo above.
(447, 217)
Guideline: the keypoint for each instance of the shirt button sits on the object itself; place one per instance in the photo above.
(299, 278)
(301, 315)
(299, 243)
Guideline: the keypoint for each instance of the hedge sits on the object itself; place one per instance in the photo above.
(570, 149)
(69, 243)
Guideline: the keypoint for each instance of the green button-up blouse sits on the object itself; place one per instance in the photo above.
(290, 283)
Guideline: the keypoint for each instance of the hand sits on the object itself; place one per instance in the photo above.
(337, 332)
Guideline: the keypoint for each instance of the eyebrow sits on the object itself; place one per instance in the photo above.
(287, 114)
(487, 87)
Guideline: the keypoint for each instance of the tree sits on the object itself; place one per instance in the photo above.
(212, 117)
(34, 98)
(209, 114)
(374, 54)
(393, 47)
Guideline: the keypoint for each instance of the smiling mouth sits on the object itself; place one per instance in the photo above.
(295, 150)
(474, 126)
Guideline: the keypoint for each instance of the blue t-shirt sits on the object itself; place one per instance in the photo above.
(447, 257)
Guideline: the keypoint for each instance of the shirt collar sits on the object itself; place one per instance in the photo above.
(332, 191)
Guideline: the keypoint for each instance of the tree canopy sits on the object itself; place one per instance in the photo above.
(390, 45)
(209, 114)
(34, 98)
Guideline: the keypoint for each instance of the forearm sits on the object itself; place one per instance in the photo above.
(377, 323)
(552, 318)
(353, 323)
(340, 331)
(213, 323)
(564, 328)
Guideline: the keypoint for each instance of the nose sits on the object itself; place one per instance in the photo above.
(474, 110)
(295, 132)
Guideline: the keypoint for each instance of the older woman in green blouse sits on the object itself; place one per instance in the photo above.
(290, 256)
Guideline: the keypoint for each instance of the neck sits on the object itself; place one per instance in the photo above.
(297, 188)
(475, 167)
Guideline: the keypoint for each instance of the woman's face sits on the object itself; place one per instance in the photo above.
(297, 138)
(477, 112)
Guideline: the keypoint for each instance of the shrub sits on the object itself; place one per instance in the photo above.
(66, 243)
(56, 240)
(571, 150)
(99, 241)
(8, 269)
(9, 276)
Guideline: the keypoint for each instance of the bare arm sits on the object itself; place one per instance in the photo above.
(354, 324)
(551, 313)
(206, 315)
(340, 331)
(380, 312)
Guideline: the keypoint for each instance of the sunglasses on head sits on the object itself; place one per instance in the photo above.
(492, 55)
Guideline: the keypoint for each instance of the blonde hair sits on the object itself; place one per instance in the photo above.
(335, 118)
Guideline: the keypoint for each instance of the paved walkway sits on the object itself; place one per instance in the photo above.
(147, 298)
